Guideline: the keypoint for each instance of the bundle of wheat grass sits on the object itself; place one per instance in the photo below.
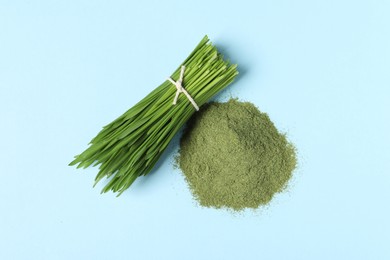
(131, 145)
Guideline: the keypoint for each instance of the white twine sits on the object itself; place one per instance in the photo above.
(179, 87)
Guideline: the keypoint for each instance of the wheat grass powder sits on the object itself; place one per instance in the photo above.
(232, 156)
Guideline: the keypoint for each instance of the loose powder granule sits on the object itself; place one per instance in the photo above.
(233, 156)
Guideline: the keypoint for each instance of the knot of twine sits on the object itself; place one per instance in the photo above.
(180, 89)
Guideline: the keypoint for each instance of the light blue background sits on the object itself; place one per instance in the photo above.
(320, 69)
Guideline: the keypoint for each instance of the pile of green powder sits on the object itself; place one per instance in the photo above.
(233, 156)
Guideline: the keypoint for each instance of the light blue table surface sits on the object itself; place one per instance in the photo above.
(320, 69)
